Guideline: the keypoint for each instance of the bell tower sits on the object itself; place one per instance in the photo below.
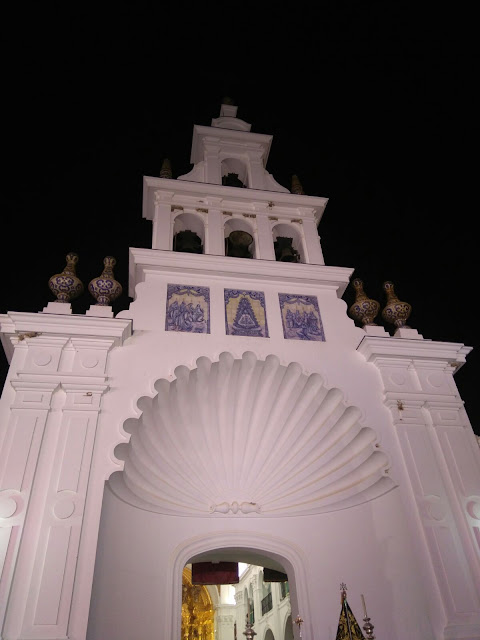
(228, 154)
(234, 412)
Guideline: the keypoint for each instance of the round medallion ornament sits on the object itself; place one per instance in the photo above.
(64, 508)
(395, 311)
(66, 286)
(8, 507)
(364, 310)
(105, 289)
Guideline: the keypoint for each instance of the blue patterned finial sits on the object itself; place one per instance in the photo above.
(395, 311)
(65, 285)
(105, 288)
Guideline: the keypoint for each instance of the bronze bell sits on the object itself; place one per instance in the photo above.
(188, 242)
(238, 243)
(232, 180)
(284, 251)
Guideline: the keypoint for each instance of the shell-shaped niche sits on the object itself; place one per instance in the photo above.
(248, 436)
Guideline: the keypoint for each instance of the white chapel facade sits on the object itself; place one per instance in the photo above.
(234, 412)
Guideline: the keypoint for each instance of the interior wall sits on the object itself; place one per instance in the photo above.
(136, 593)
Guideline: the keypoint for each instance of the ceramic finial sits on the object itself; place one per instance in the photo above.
(395, 311)
(105, 288)
(65, 286)
(166, 170)
(364, 310)
(296, 186)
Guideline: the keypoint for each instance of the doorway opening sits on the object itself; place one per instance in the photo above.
(255, 596)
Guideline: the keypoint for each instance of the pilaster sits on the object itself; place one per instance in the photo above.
(224, 624)
(257, 597)
(162, 232)
(442, 464)
(256, 169)
(45, 461)
(313, 247)
(213, 173)
(24, 435)
(264, 234)
(214, 235)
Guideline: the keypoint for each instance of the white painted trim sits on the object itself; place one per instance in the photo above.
(151, 261)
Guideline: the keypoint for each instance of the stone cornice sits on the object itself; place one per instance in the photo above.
(144, 261)
(198, 194)
(66, 378)
(246, 139)
(380, 349)
(30, 324)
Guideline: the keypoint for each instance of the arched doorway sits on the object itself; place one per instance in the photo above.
(184, 493)
(247, 570)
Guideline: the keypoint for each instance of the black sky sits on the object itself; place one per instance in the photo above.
(372, 105)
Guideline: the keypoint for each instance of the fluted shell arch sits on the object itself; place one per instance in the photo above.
(248, 436)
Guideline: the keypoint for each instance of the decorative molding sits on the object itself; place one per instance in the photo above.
(160, 196)
(62, 326)
(143, 261)
(185, 191)
(235, 507)
(382, 351)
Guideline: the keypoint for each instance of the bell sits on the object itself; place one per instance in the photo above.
(232, 180)
(238, 243)
(284, 251)
(188, 242)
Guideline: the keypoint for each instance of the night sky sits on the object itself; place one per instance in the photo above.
(371, 106)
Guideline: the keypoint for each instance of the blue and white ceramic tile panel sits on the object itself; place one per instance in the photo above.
(245, 313)
(301, 317)
(188, 309)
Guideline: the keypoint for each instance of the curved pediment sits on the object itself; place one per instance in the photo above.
(248, 437)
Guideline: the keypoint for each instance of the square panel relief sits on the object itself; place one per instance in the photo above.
(188, 309)
(245, 313)
(301, 317)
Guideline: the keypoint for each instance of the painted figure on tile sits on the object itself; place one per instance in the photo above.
(184, 317)
(301, 317)
(187, 309)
